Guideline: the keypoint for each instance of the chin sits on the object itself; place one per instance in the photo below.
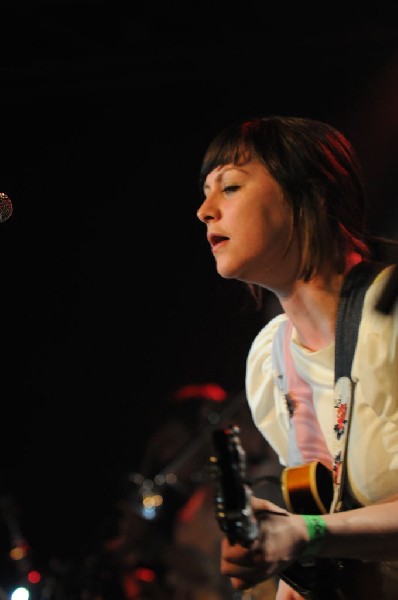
(229, 274)
(227, 271)
(225, 275)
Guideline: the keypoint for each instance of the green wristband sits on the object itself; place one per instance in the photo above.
(316, 527)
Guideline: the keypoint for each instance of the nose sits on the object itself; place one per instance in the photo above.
(206, 211)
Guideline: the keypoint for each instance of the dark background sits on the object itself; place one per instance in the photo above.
(109, 296)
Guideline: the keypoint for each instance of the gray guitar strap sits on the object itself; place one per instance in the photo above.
(349, 314)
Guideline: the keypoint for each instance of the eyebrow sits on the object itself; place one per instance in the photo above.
(223, 170)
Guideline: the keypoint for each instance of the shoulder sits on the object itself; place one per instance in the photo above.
(379, 282)
(371, 316)
(265, 399)
(261, 347)
(377, 348)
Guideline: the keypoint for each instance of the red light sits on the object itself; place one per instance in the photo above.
(143, 574)
(34, 577)
(207, 391)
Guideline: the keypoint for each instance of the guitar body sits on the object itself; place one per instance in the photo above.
(307, 489)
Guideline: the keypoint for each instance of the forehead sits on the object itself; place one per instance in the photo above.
(217, 173)
(249, 168)
(233, 151)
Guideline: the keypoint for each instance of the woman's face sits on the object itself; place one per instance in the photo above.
(249, 226)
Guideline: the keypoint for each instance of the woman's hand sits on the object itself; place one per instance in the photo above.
(282, 537)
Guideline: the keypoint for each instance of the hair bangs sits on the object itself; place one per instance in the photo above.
(231, 146)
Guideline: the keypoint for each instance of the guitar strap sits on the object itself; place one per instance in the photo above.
(348, 320)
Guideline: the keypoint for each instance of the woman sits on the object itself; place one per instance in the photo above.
(284, 210)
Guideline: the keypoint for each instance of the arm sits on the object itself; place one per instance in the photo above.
(369, 533)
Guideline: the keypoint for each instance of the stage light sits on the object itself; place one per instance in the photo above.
(19, 550)
(20, 593)
(144, 574)
(34, 577)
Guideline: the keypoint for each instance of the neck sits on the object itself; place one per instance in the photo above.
(312, 306)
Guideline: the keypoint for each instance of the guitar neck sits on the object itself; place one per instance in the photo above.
(233, 496)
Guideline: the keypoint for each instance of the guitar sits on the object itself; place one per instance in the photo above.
(307, 489)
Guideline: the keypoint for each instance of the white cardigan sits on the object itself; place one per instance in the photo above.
(373, 442)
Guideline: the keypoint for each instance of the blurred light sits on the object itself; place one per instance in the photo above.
(34, 577)
(152, 501)
(20, 593)
(20, 550)
(207, 391)
(144, 574)
(159, 479)
(171, 478)
(17, 553)
(149, 513)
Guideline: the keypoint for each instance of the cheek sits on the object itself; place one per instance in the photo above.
(273, 227)
(281, 221)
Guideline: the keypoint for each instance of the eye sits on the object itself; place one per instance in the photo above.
(229, 189)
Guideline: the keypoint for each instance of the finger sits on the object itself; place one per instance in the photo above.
(233, 553)
(245, 561)
(243, 578)
(259, 504)
(243, 565)
(238, 584)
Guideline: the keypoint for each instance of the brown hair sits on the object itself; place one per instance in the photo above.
(318, 170)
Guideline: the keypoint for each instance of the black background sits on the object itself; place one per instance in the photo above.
(109, 296)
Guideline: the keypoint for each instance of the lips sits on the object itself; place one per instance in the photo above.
(215, 240)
